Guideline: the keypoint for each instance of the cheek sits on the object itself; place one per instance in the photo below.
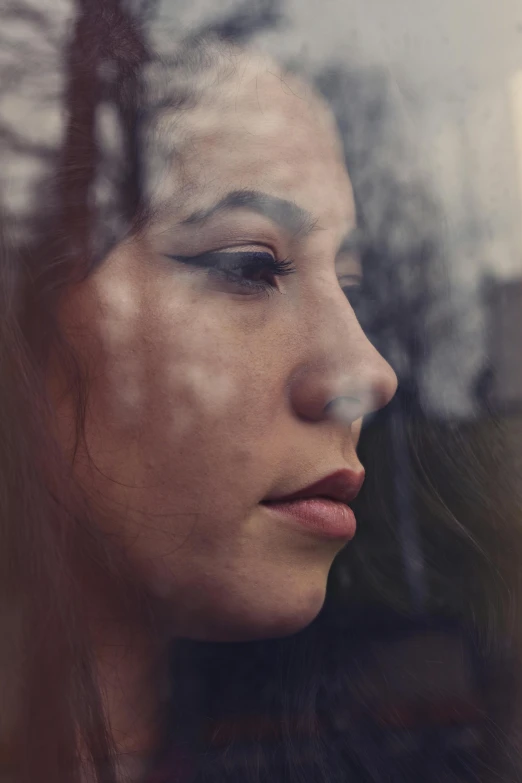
(189, 456)
(181, 409)
(184, 426)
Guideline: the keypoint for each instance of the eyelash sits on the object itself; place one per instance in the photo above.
(252, 262)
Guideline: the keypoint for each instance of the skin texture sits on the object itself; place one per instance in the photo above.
(206, 398)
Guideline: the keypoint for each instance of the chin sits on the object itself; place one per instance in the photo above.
(265, 616)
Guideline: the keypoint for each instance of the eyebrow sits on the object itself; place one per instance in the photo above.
(287, 214)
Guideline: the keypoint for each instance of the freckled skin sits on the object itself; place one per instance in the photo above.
(205, 399)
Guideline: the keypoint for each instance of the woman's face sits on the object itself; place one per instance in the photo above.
(212, 377)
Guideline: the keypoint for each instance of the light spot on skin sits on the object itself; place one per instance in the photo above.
(118, 305)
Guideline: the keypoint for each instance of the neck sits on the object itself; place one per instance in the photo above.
(132, 678)
(131, 657)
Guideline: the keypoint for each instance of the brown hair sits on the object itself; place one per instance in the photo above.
(53, 708)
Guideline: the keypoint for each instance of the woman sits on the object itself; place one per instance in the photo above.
(184, 412)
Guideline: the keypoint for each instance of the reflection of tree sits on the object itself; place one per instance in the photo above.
(245, 21)
(407, 311)
(103, 62)
(30, 118)
(65, 68)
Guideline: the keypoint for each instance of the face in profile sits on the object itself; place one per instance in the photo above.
(226, 368)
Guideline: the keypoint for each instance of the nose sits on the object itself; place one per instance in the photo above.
(341, 375)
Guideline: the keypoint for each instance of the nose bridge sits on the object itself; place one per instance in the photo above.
(342, 374)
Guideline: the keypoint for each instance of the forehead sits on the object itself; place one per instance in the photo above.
(259, 129)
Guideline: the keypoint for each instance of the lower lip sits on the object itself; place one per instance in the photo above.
(319, 515)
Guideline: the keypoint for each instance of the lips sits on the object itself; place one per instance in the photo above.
(321, 508)
(343, 486)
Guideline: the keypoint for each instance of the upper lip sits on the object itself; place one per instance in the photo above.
(343, 486)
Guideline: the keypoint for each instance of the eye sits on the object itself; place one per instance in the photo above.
(251, 271)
